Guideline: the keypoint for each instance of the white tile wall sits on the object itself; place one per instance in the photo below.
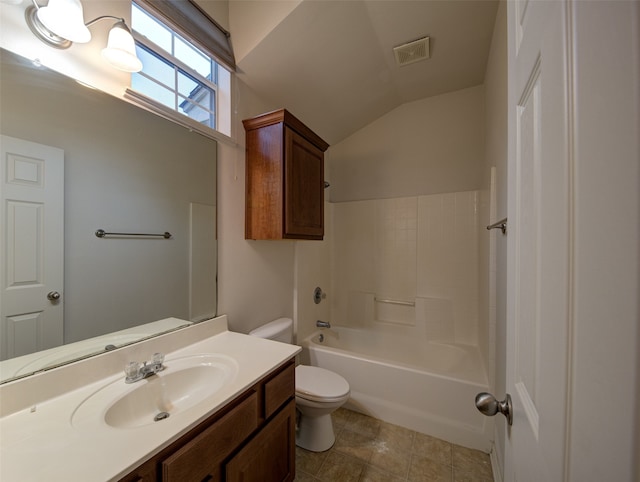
(422, 249)
(448, 257)
(353, 262)
(395, 248)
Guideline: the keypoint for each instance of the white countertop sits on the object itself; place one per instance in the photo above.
(38, 442)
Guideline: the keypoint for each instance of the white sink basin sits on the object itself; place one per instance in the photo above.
(183, 384)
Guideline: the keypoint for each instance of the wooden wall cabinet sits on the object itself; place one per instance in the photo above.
(284, 178)
(251, 440)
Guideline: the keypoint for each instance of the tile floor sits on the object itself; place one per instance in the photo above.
(369, 450)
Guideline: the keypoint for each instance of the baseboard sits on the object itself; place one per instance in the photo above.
(497, 458)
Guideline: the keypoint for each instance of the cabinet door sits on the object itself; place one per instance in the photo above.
(304, 192)
(270, 455)
(264, 188)
(200, 459)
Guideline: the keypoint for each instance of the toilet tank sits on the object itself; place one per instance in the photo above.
(277, 330)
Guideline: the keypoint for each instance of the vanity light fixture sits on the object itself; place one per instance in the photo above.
(61, 23)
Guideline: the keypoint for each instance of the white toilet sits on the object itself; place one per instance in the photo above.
(319, 392)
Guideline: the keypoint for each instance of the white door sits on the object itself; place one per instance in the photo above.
(31, 247)
(538, 293)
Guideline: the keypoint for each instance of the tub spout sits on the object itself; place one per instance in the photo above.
(323, 324)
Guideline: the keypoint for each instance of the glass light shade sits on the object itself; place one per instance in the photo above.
(120, 51)
(65, 19)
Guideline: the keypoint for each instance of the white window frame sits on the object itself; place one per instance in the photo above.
(222, 118)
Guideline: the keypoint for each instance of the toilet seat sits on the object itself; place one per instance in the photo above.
(319, 385)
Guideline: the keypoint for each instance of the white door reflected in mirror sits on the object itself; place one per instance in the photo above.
(32, 247)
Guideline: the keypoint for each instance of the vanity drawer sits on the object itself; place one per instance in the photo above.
(203, 456)
(279, 389)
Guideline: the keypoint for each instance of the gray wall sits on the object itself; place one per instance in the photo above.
(125, 170)
(430, 146)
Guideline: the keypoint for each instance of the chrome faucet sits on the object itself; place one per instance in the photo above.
(135, 371)
(323, 324)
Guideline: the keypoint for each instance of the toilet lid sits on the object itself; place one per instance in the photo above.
(315, 383)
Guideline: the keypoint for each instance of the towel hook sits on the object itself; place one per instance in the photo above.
(501, 225)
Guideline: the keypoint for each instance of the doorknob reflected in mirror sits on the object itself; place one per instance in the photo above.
(488, 405)
(53, 296)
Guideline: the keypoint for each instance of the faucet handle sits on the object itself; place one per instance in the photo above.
(132, 369)
(157, 358)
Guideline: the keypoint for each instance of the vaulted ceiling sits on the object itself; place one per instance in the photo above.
(331, 62)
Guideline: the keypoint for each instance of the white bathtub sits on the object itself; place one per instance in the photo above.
(427, 387)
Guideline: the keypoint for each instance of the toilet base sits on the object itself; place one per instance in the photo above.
(315, 433)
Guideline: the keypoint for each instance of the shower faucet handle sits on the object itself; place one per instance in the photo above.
(318, 295)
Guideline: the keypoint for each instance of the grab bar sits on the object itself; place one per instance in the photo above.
(101, 233)
(395, 302)
(501, 225)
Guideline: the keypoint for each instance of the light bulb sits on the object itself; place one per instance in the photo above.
(65, 19)
(120, 51)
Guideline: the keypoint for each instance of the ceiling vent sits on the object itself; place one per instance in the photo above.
(412, 52)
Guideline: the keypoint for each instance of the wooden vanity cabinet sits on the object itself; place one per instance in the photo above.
(284, 178)
(251, 439)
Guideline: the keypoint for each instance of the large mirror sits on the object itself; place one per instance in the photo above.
(125, 170)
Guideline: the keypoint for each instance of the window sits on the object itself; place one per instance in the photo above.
(178, 74)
